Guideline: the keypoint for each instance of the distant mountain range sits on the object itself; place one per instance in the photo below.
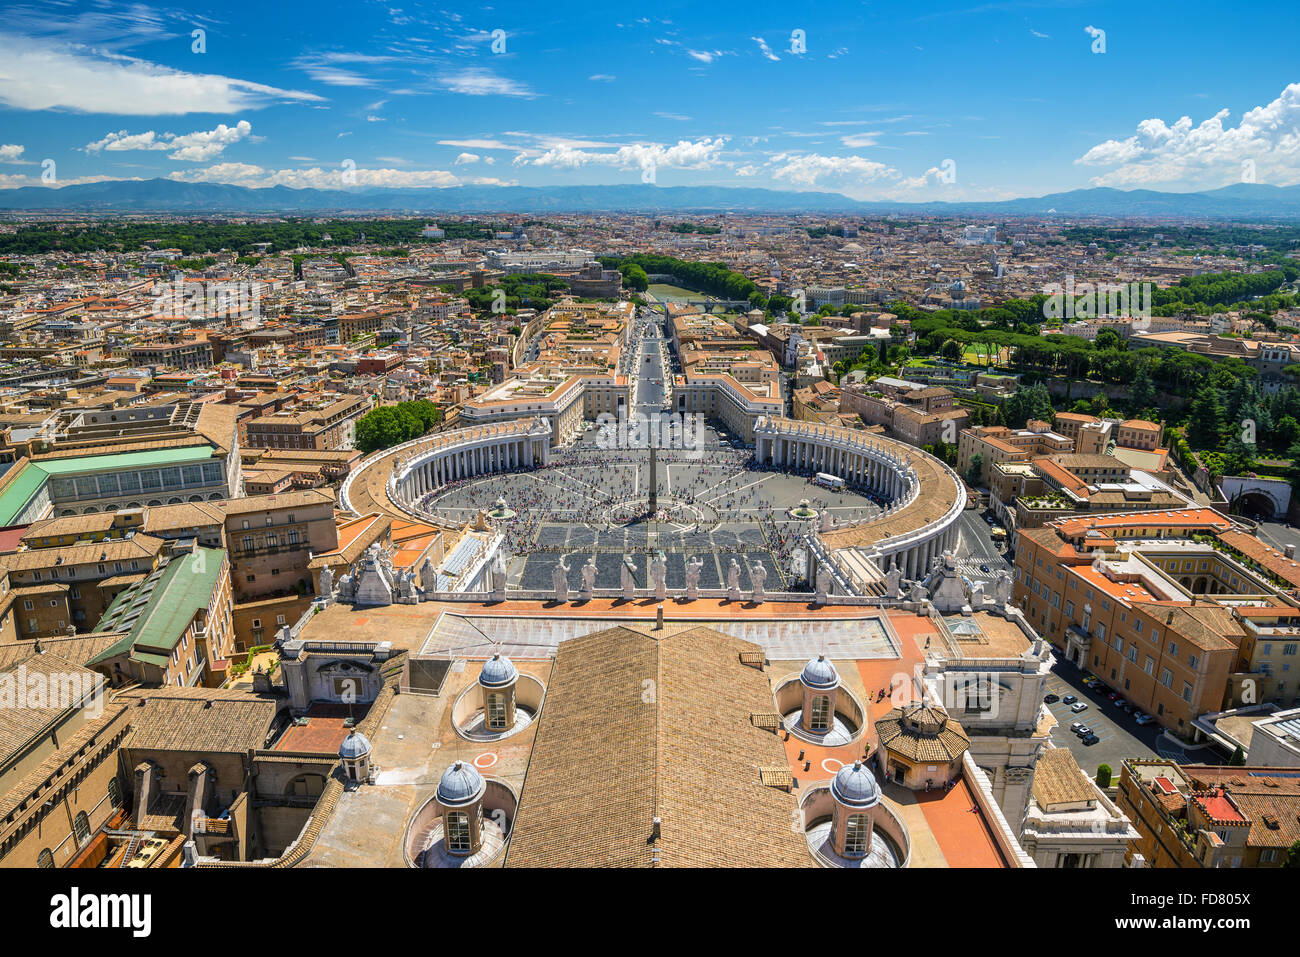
(1241, 201)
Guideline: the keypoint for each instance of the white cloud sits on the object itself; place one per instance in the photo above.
(480, 144)
(766, 50)
(325, 68)
(811, 169)
(1209, 154)
(704, 56)
(465, 158)
(477, 81)
(196, 147)
(859, 140)
(38, 75)
(685, 154)
(601, 78)
(15, 180)
(11, 153)
(245, 174)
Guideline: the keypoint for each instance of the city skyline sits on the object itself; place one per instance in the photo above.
(963, 103)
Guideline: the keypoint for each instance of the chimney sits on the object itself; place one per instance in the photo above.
(659, 618)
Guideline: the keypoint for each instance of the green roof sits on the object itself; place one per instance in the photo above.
(20, 491)
(155, 611)
(34, 474)
(120, 461)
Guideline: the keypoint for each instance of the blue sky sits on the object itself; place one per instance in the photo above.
(885, 101)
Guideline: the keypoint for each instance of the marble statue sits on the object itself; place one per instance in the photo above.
(428, 577)
(826, 520)
(758, 575)
(1002, 588)
(499, 572)
(733, 581)
(919, 592)
(629, 578)
(977, 596)
(560, 580)
(327, 583)
(693, 568)
(894, 581)
(824, 583)
(589, 578)
(659, 575)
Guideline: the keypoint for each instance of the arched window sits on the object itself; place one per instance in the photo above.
(820, 719)
(81, 824)
(855, 835)
(496, 711)
(114, 792)
(45, 859)
(458, 831)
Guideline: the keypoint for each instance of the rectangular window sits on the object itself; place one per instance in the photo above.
(458, 837)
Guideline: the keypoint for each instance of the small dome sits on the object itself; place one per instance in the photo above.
(461, 784)
(498, 671)
(355, 745)
(820, 673)
(856, 786)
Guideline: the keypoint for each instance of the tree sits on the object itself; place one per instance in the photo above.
(951, 350)
(1238, 759)
(1103, 775)
(634, 277)
(974, 473)
(1238, 456)
(1205, 423)
(1292, 856)
(1143, 392)
(391, 425)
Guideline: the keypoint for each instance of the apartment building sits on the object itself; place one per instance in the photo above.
(1161, 609)
(175, 624)
(325, 422)
(1195, 815)
(995, 444)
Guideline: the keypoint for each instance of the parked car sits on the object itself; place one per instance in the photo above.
(1069, 699)
(1083, 731)
(984, 567)
(1076, 726)
(1050, 698)
(1144, 719)
(1115, 696)
(1079, 706)
(1090, 740)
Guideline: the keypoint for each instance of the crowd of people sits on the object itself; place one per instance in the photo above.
(593, 488)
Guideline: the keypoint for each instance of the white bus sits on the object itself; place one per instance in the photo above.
(832, 482)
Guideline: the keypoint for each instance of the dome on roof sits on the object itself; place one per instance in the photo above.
(498, 671)
(355, 745)
(820, 673)
(461, 784)
(856, 786)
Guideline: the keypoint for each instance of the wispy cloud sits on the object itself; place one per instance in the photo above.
(43, 76)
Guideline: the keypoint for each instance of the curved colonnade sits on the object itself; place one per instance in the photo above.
(926, 497)
(920, 522)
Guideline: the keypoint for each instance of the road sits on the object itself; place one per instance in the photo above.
(650, 391)
(976, 549)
